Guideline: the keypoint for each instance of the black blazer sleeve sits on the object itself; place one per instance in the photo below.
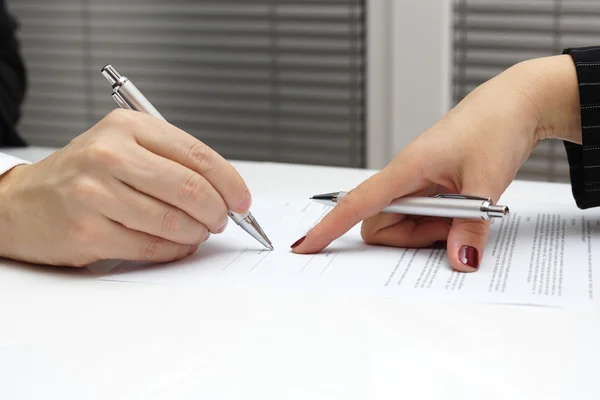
(584, 159)
(12, 81)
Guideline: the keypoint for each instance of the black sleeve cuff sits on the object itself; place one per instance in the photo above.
(584, 159)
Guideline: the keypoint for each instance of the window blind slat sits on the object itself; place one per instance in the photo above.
(491, 35)
(279, 80)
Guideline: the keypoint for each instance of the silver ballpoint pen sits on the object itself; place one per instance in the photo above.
(129, 97)
(439, 205)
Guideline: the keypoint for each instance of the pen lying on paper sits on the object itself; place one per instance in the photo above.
(129, 97)
(439, 205)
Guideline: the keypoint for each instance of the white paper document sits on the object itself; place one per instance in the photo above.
(532, 257)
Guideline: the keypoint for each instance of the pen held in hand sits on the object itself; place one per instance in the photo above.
(128, 97)
(439, 205)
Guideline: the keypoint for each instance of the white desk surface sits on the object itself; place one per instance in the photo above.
(64, 334)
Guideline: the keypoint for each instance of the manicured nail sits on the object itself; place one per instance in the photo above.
(469, 256)
(193, 249)
(298, 242)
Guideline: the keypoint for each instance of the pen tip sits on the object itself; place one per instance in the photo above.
(325, 196)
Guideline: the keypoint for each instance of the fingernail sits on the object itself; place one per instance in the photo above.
(246, 203)
(222, 228)
(469, 256)
(298, 242)
(193, 249)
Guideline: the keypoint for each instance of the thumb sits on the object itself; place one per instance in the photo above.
(467, 238)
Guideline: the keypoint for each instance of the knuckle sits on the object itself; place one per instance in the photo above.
(101, 153)
(87, 190)
(350, 205)
(152, 249)
(84, 233)
(192, 190)
(171, 221)
(199, 153)
(119, 117)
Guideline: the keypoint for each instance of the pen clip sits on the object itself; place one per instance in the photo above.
(461, 197)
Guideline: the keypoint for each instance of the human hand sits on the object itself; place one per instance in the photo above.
(476, 149)
(133, 187)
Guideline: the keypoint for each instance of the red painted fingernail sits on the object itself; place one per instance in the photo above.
(298, 242)
(469, 256)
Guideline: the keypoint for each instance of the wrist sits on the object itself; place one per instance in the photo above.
(8, 219)
(8, 179)
(552, 85)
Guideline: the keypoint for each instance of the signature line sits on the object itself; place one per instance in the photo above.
(259, 261)
(329, 263)
(299, 272)
(232, 261)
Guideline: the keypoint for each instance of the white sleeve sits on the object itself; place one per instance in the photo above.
(7, 162)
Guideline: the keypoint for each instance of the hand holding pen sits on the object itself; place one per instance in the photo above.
(128, 97)
(399, 211)
(132, 187)
(476, 149)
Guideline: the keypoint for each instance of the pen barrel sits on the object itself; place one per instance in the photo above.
(136, 100)
(441, 207)
(237, 218)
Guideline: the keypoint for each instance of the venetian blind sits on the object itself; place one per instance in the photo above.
(278, 80)
(491, 35)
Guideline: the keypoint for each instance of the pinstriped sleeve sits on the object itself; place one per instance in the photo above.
(584, 159)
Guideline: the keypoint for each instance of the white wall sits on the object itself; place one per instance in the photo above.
(408, 72)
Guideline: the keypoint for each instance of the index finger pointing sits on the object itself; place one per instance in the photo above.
(369, 198)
